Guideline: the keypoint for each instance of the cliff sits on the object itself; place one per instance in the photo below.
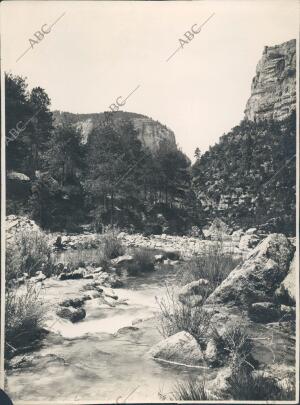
(273, 90)
(150, 132)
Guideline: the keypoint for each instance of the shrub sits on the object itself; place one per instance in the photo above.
(214, 265)
(28, 253)
(238, 345)
(190, 390)
(112, 246)
(143, 262)
(24, 316)
(175, 316)
(244, 385)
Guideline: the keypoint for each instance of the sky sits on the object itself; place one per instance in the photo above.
(99, 51)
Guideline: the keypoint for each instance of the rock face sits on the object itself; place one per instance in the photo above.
(259, 276)
(180, 348)
(287, 289)
(273, 90)
(150, 132)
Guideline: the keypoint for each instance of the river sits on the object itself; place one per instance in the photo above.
(91, 360)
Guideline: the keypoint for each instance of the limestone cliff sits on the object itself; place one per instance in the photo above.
(273, 90)
(150, 132)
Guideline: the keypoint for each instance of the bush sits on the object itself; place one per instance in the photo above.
(238, 345)
(143, 262)
(28, 253)
(244, 385)
(175, 317)
(214, 265)
(24, 316)
(190, 390)
(112, 246)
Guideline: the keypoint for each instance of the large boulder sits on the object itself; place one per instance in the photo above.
(179, 348)
(259, 276)
(286, 292)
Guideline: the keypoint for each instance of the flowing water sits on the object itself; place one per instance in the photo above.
(91, 360)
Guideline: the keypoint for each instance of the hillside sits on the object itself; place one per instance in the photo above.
(150, 132)
(249, 177)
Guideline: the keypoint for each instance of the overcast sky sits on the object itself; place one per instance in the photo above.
(98, 51)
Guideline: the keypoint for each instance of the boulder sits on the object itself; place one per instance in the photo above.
(286, 292)
(72, 314)
(259, 276)
(179, 348)
(264, 312)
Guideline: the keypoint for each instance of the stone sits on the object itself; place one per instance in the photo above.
(211, 352)
(88, 276)
(251, 231)
(287, 313)
(286, 292)
(259, 276)
(108, 292)
(264, 312)
(195, 287)
(39, 277)
(236, 235)
(179, 348)
(73, 302)
(77, 274)
(159, 258)
(122, 260)
(248, 241)
(72, 314)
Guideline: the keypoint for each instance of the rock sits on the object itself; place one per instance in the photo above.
(264, 312)
(236, 235)
(158, 258)
(122, 260)
(127, 329)
(195, 287)
(180, 348)
(286, 292)
(108, 292)
(220, 383)
(273, 90)
(97, 270)
(39, 277)
(258, 277)
(73, 302)
(251, 231)
(248, 241)
(72, 314)
(77, 274)
(287, 313)
(211, 352)
(88, 277)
